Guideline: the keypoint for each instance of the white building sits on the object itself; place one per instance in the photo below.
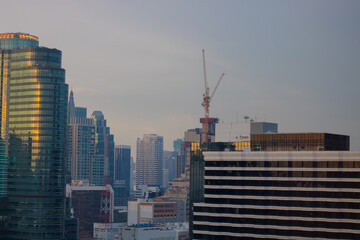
(147, 233)
(107, 231)
(232, 132)
(149, 160)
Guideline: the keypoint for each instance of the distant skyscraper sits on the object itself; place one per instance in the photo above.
(149, 159)
(179, 148)
(169, 164)
(110, 155)
(78, 112)
(97, 170)
(177, 145)
(81, 142)
(132, 174)
(122, 172)
(180, 162)
(191, 137)
(100, 133)
(104, 145)
(33, 127)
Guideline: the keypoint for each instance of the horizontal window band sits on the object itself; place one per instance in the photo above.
(284, 203)
(276, 222)
(275, 227)
(282, 169)
(283, 193)
(279, 156)
(282, 178)
(337, 200)
(266, 188)
(292, 218)
(249, 235)
(269, 213)
(280, 208)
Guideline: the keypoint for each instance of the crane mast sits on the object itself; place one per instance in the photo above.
(207, 99)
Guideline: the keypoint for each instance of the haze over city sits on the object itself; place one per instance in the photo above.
(295, 63)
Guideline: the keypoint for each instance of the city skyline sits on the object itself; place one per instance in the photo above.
(290, 62)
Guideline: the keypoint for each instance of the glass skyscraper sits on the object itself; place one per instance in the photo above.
(102, 166)
(122, 174)
(33, 128)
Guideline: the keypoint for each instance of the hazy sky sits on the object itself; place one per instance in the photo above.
(296, 63)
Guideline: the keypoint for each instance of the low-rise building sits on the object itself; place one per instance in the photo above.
(91, 204)
(107, 231)
(155, 211)
(179, 192)
(150, 232)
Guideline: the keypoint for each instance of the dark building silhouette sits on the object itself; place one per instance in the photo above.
(102, 166)
(121, 185)
(299, 142)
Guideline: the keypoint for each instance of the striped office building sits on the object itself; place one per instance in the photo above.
(280, 195)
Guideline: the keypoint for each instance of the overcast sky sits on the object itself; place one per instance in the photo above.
(296, 63)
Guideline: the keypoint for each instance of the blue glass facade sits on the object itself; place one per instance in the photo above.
(122, 172)
(104, 145)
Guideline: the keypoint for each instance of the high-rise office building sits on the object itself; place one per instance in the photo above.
(132, 174)
(197, 172)
(177, 144)
(169, 166)
(33, 127)
(110, 154)
(191, 137)
(149, 160)
(179, 148)
(97, 171)
(280, 195)
(122, 172)
(81, 142)
(104, 146)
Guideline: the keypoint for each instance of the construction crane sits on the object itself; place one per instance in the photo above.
(207, 99)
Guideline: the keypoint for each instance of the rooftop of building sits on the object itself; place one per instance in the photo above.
(97, 114)
(298, 133)
(18, 35)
